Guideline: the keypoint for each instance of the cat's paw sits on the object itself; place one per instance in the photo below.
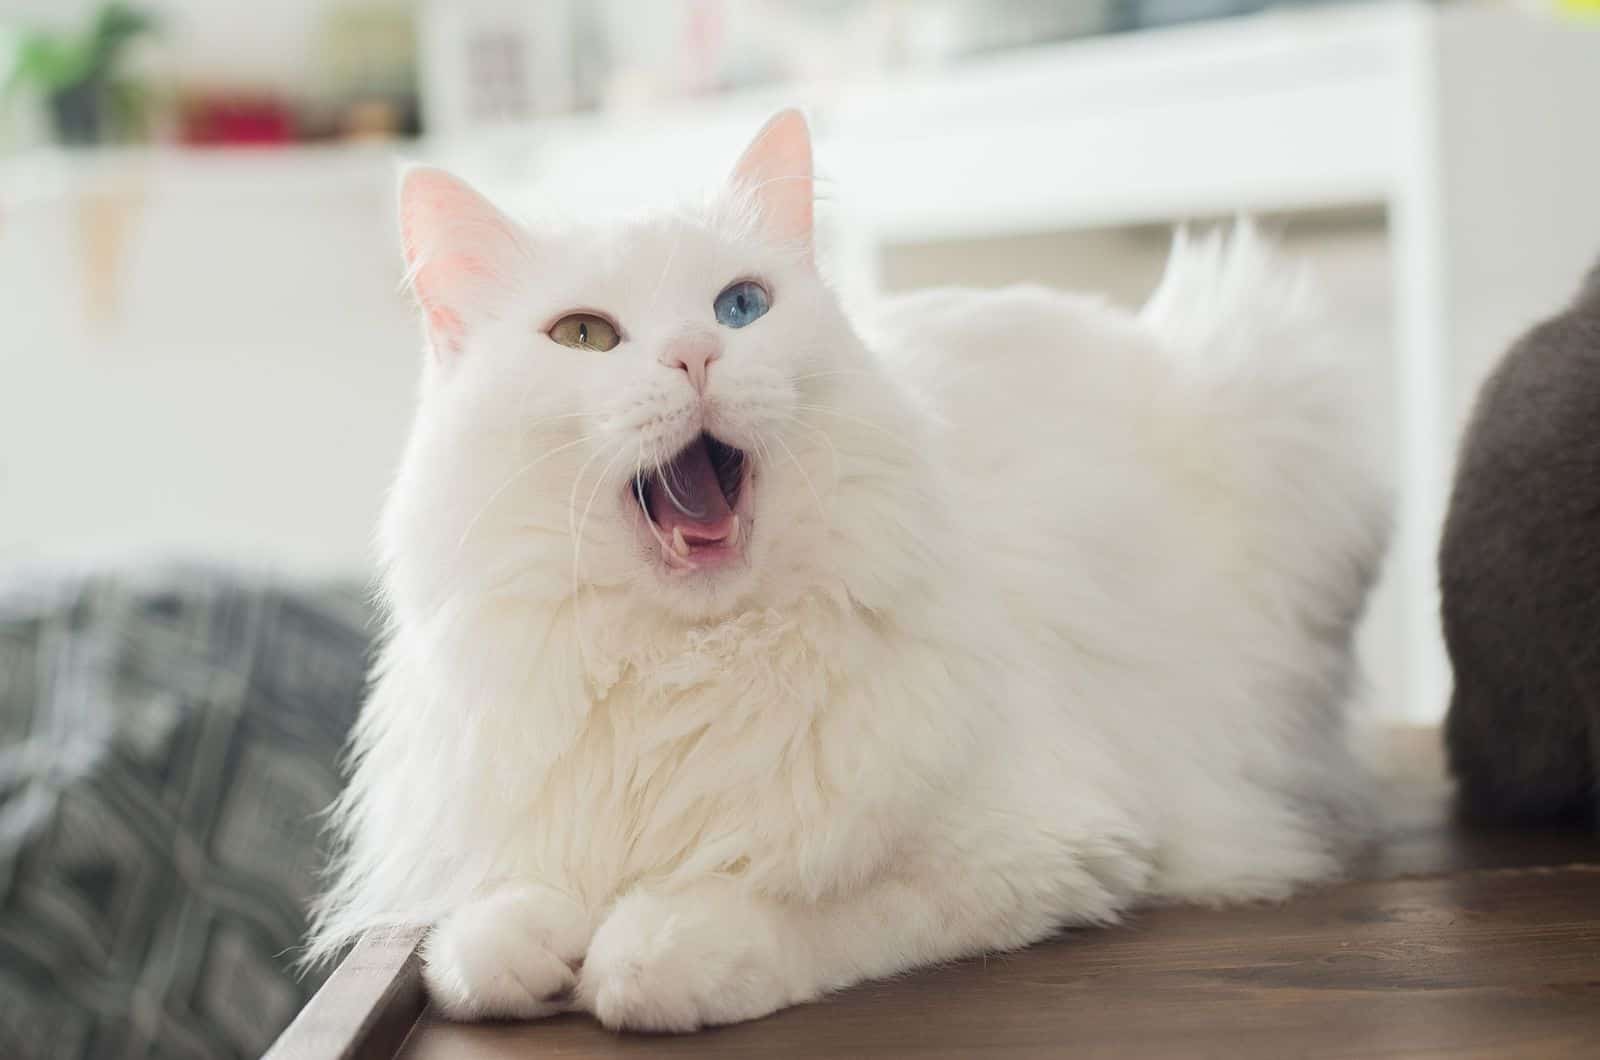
(681, 962)
(513, 955)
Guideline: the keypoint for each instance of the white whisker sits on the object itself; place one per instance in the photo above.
(667, 478)
(577, 543)
(833, 450)
(832, 372)
(572, 495)
(858, 420)
(523, 470)
(762, 451)
(821, 509)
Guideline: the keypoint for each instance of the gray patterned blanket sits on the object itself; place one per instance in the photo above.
(167, 744)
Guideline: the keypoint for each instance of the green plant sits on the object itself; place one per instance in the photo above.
(77, 74)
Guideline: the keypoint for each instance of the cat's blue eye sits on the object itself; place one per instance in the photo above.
(742, 303)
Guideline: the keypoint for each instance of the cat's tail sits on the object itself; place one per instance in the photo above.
(1279, 409)
(1228, 298)
(1277, 451)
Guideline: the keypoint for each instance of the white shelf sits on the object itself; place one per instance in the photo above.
(1275, 111)
(1466, 123)
(1282, 109)
(51, 174)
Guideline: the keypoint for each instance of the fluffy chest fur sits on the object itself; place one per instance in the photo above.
(738, 749)
(798, 750)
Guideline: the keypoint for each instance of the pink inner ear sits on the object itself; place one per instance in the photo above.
(776, 167)
(447, 328)
(458, 248)
(442, 274)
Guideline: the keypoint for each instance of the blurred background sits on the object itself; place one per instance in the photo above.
(207, 368)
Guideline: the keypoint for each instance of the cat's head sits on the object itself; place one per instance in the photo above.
(669, 414)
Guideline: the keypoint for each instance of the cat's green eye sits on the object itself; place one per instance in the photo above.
(585, 331)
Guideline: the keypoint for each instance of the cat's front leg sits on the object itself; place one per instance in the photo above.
(695, 958)
(719, 952)
(513, 954)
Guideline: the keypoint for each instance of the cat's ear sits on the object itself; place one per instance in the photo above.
(462, 255)
(776, 170)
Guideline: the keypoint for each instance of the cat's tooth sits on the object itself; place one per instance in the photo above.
(679, 545)
(733, 532)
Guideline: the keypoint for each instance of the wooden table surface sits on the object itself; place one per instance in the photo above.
(1446, 942)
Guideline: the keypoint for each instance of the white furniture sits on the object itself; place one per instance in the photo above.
(247, 395)
(202, 355)
(1474, 126)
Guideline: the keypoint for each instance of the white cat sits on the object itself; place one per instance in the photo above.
(737, 655)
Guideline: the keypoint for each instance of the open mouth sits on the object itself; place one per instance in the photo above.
(689, 503)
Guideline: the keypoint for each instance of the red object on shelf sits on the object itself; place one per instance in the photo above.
(238, 121)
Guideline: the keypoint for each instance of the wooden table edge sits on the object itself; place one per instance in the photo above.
(366, 1008)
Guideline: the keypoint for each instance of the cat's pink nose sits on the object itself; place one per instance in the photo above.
(692, 354)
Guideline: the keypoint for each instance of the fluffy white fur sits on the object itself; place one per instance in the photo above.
(1045, 612)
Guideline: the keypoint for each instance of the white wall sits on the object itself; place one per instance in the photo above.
(245, 395)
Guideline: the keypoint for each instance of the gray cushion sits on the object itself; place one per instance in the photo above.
(167, 743)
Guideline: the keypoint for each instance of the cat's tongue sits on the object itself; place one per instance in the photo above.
(687, 496)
